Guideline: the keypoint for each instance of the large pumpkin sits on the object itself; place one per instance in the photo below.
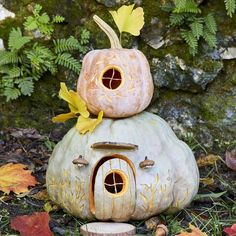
(116, 80)
(130, 168)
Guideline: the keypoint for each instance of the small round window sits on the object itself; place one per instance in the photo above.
(115, 182)
(111, 78)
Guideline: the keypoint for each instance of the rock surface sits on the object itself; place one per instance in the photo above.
(173, 73)
(1, 45)
(4, 13)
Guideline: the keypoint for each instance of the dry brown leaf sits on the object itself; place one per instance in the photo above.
(210, 159)
(195, 232)
(41, 195)
(207, 181)
(14, 177)
(230, 159)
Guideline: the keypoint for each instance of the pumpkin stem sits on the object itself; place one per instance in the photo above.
(114, 40)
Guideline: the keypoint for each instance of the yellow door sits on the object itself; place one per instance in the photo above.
(114, 191)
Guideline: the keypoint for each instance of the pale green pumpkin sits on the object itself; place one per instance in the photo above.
(111, 181)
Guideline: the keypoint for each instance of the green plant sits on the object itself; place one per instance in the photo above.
(26, 59)
(186, 14)
(230, 6)
(42, 22)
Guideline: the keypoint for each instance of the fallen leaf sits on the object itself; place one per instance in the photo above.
(230, 159)
(207, 160)
(128, 19)
(87, 124)
(32, 225)
(195, 232)
(41, 195)
(207, 181)
(230, 231)
(14, 177)
(50, 206)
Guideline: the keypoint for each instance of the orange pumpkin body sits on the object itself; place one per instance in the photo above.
(116, 81)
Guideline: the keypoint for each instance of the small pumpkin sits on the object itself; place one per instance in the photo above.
(106, 174)
(116, 80)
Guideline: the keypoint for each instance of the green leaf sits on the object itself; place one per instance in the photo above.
(180, 3)
(13, 72)
(30, 23)
(26, 86)
(210, 38)
(16, 40)
(197, 29)
(177, 19)
(66, 60)
(210, 23)
(187, 6)
(84, 37)
(46, 30)
(230, 6)
(63, 45)
(7, 57)
(209, 195)
(191, 41)
(58, 19)
(37, 9)
(44, 18)
(11, 93)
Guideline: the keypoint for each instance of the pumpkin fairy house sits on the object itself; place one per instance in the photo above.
(129, 168)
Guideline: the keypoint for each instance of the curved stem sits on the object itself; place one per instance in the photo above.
(114, 40)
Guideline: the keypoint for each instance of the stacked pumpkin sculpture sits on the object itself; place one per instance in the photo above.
(129, 168)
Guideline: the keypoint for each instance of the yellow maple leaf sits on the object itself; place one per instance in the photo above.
(195, 232)
(87, 124)
(14, 177)
(129, 20)
(76, 104)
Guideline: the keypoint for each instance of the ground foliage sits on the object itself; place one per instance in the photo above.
(213, 209)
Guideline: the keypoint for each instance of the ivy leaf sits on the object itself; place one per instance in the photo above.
(230, 231)
(32, 225)
(14, 177)
(195, 232)
(87, 124)
(129, 20)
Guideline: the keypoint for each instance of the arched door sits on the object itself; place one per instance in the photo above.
(114, 191)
